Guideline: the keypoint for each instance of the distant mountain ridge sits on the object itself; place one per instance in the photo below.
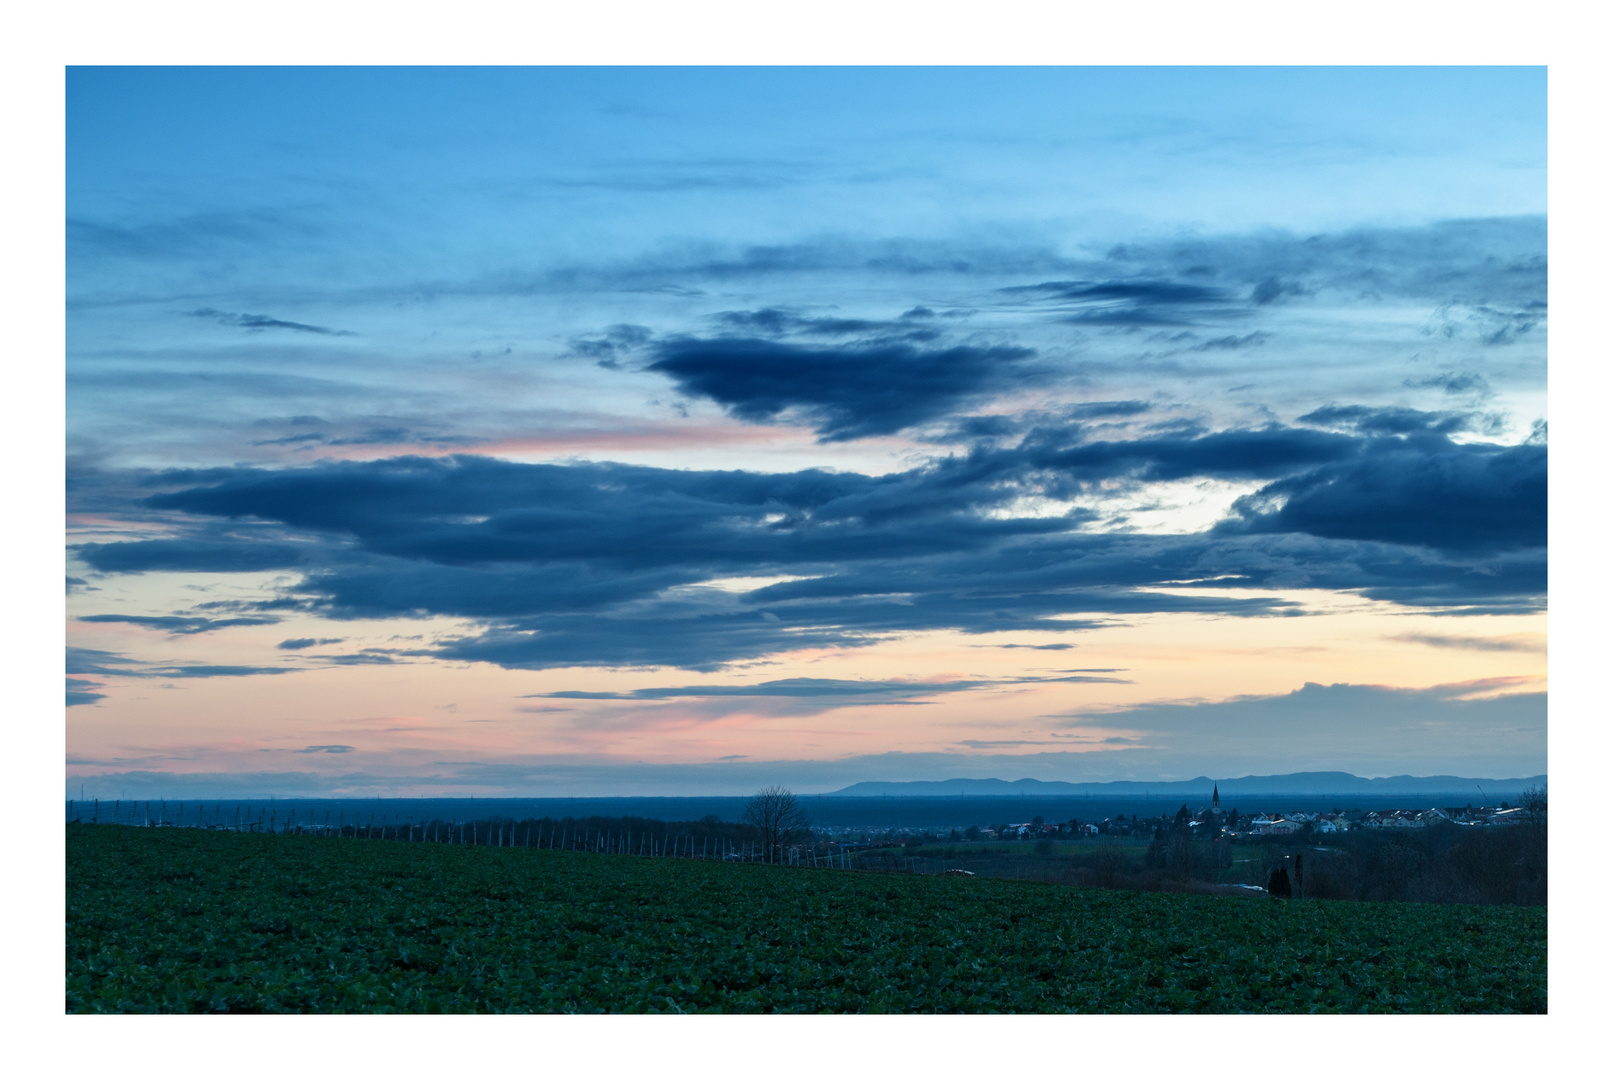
(1302, 783)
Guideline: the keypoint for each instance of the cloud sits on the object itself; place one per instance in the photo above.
(1232, 341)
(1495, 262)
(83, 692)
(264, 322)
(369, 656)
(843, 392)
(654, 639)
(911, 326)
(1270, 290)
(1371, 731)
(605, 349)
(1368, 730)
(1133, 302)
(329, 749)
(1457, 497)
(180, 624)
(81, 661)
(1392, 420)
(375, 436)
(182, 238)
(308, 642)
(840, 689)
(192, 556)
(1466, 382)
(212, 671)
(545, 557)
(1473, 644)
(805, 688)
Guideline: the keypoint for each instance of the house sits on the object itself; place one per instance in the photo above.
(1283, 827)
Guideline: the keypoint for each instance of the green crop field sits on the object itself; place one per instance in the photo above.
(172, 920)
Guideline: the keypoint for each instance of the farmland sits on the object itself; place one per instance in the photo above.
(184, 920)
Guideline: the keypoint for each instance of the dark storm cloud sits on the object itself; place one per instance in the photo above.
(602, 564)
(651, 639)
(179, 624)
(1072, 422)
(384, 588)
(1061, 453)
(467, 511)
(1459, 497)
(1392, 420)
(193, 556)
(263, 322)
(1099, 410)
(846, 392)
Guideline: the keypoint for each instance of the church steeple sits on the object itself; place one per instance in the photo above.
(1215, 799)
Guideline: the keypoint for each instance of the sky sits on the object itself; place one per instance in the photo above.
(678, 431)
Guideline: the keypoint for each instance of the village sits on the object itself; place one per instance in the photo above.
(1207, 822)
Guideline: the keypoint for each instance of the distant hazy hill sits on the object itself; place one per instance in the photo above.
(1306, 783)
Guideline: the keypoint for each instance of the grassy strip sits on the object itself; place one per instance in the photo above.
(171, 920)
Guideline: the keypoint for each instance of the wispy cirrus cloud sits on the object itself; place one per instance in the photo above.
(181, 625)
(847, 689)
(264, 322)
(1473, 644)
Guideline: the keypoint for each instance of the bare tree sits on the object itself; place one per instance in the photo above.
(1533, 802)
(777, 815)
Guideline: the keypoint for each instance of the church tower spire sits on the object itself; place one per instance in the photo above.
(1215, 799)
